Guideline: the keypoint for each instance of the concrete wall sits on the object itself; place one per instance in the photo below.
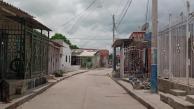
(65, 56)
(54, 58)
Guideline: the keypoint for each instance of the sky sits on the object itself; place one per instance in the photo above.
(94, 28)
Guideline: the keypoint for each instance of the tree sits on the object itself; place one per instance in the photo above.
(110, 56)
(62, 37)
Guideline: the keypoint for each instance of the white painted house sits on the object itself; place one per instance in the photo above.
(65, 56)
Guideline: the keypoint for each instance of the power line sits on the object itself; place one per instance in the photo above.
(117, 11)
(123, 10)
(78, 20)
(81, 13)
(124, 14)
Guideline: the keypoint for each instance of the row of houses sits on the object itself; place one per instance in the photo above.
(175, 56)
(90, 58)
(28, 56)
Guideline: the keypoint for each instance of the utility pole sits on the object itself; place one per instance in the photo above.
(154, 75)
(114, 48)
(187, 43)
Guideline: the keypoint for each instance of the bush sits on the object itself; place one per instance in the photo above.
(59, 73)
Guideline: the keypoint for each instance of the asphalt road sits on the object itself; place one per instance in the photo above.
(91, 90)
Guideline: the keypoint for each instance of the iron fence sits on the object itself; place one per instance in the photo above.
(24, 51)
(172, 51)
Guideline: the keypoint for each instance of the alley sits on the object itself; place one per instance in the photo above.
(91, 90)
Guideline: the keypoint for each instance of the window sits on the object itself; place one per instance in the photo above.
(66, 58)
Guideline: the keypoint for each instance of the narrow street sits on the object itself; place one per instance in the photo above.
(91, 90)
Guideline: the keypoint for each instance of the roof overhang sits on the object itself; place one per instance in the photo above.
(19, 16)
(87, 54)
(139, 44)
(56, 44)
(120, 42)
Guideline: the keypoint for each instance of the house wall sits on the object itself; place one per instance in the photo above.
(65, 56)
(96, 61)
(54, 57)
(88, 62)
(101, 59)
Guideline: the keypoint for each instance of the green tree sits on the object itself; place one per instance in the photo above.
(62, 37)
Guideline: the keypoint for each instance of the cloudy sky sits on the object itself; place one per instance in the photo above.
(96, 22)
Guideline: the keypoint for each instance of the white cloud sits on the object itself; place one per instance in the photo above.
(97, 21)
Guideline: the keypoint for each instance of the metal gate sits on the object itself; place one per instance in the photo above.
(135, 62)
(3, 56)
(172, 63)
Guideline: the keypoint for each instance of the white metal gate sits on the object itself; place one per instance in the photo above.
(176, 57)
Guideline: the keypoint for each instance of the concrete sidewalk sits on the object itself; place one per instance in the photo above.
(34, 92)
(151, 101)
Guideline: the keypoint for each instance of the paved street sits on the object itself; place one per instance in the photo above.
(91, 90)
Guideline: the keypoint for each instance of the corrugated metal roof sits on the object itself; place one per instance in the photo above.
(87, 54)
(17, 14)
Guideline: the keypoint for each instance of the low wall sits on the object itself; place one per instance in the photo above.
(20, 87)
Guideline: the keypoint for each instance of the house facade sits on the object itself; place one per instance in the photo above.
(75, 58)
(65, 56)
(54, 57)
(134, 56)
(87, 58)
(102, 58)
(23, 51)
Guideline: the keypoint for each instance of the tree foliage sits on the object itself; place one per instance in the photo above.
(62, 37)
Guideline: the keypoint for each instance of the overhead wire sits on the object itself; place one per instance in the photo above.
(78, 20)
(80, 14)
(92, 39)
(117, 11)
(124, 14)
(123, 9)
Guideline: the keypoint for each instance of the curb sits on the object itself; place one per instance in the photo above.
(34, 94)
(143, 102)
